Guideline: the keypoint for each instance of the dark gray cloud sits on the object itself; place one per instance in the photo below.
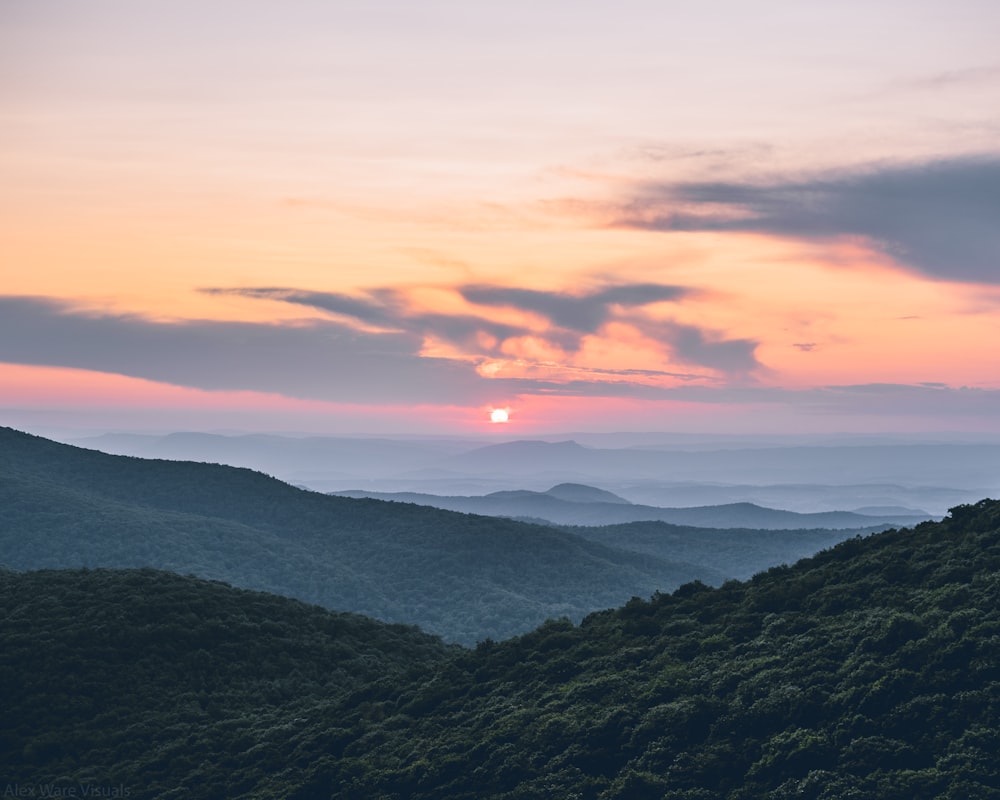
(329, 361)
(583, 313)
(692, 345)
(941, 218)
(386, 308)
(377, 309)
(465, 330)
(572, 315)
(324, 360)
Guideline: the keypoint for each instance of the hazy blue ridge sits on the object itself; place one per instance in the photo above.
(590, 508)
(464, 577)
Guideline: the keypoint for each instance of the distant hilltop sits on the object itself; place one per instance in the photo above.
(578, 504)
(796, 474)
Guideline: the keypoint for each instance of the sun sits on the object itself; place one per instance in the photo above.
(499, 415)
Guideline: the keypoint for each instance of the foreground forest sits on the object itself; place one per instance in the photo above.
(870, 670)
(462, 576)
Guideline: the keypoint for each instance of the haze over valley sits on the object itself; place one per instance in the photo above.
(906, 476)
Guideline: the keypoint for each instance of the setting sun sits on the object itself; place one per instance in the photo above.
(499, 415)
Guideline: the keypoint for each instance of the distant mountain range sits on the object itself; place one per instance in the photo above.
(833, 474)
(576, 504)
(466, 577)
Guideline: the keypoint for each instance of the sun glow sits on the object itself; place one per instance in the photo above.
(499, 415)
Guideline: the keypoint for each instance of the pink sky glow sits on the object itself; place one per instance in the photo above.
(396, 217)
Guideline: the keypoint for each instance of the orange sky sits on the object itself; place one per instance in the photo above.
(600, 218)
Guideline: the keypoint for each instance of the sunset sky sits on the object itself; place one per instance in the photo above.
(389, 216)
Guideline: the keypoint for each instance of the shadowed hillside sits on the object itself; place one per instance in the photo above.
(464, 577)
(151, 679)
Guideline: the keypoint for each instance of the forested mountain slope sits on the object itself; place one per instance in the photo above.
(461, 576)
(871, 670)
(737, 553)
(150, 681)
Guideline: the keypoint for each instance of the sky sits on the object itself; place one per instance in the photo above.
(387, 216)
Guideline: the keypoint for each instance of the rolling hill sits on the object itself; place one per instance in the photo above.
(576, 504)
(464, 577)
(867, 671)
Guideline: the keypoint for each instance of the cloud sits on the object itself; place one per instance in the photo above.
(582, 313)
(693, 345)
(887, 400)
(939, 218)
(376, 309)
(930, 399)
(323, 360)
(330, 359)
(388, 309)
(585, 314)
(572, 317)
(951, 78)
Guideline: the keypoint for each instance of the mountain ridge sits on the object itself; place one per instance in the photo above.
(590, 508)
(868, 670)
(463, 576)
(836, 473)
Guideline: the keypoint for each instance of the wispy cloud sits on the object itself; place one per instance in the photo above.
(569, 318)
(888, 400)
(987, 74)
(374, 309)
(389, 310)
(323, 360)
(585, 313)
(940, 218)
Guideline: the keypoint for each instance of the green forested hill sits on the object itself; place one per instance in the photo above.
(461, 576)
(871, 670)
(736, 553)
(152, 680)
